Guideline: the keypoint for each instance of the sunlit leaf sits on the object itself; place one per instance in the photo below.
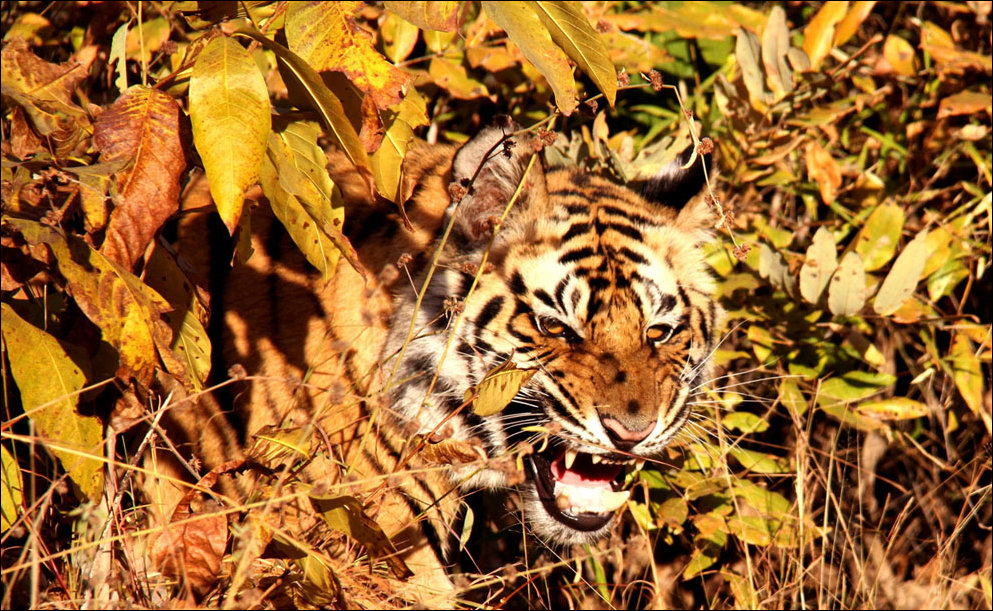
(324, 102)
(526, 30)
(852, 386)
(965, 103)
(399, 37)
(326, 36)
(142, 131)
(229, 109)
(453, 78)
(894, 408)
(967, 372)
(818, 266)
(760, 462)
(899, 54)
(442, 16)
(746, 422)
(879, 237)
(818, 36)
(498, 388)
(748, 53)
(387, 162)
(822, 167)
(49, 382)
(902, 279)
(850, 24)
(11, 490)
(573, 33)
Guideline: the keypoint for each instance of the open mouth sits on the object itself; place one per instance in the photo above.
(578, 489)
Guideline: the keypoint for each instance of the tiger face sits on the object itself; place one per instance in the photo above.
(604, 294)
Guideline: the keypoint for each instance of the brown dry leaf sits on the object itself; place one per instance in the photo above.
(127, 311)
(948, 58)
(345, 514)
(440, 451)
(440, 16)
(964, 103)
(45, 91)
(142, 128)
(824, 170)
(191, 546)
(326, 36)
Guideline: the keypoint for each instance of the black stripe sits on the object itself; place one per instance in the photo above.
(576, 255)
(576, 229)
(489, 311)
(517, 284)
(627, 230)
(632, 256)
(666, 303)
(544, 297)
(560, 293)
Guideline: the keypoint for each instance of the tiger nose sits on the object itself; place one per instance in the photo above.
(623, 435)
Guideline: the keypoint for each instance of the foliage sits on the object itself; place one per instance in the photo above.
(842, 458)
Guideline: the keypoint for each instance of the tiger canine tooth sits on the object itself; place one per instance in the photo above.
(612, 501)
(570, 458)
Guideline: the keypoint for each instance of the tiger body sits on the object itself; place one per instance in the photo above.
(603, 294)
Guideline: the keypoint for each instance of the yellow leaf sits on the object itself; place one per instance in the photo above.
(498, 388)
(902, 279)
(49, 382)
(525, 29)
(967, 372)
(11, 490)
(894, 408)
(899, 54)
(877, 240)
(573, 33)
(345, 514)
(326, 36)
(399, 37)
(387, 162)
(850, 24)
(818, 36)
(229, 110)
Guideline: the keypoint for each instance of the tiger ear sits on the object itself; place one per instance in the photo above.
(676, 186)
(678, 181)
(487, 171)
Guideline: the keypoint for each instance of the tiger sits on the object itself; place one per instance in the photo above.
(600, 291)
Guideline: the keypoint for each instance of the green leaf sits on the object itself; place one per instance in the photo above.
(820, 263)
(573, 33)
(902, 279)
(759, 462)
(50, 382)
(526, 31)
(853, 386)
(229, 110)
(11, 490)
(846, 292)
(746, 422)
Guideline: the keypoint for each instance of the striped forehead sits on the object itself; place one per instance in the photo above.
(593, 256)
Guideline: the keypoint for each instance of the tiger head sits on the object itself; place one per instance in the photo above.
(600, 290)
